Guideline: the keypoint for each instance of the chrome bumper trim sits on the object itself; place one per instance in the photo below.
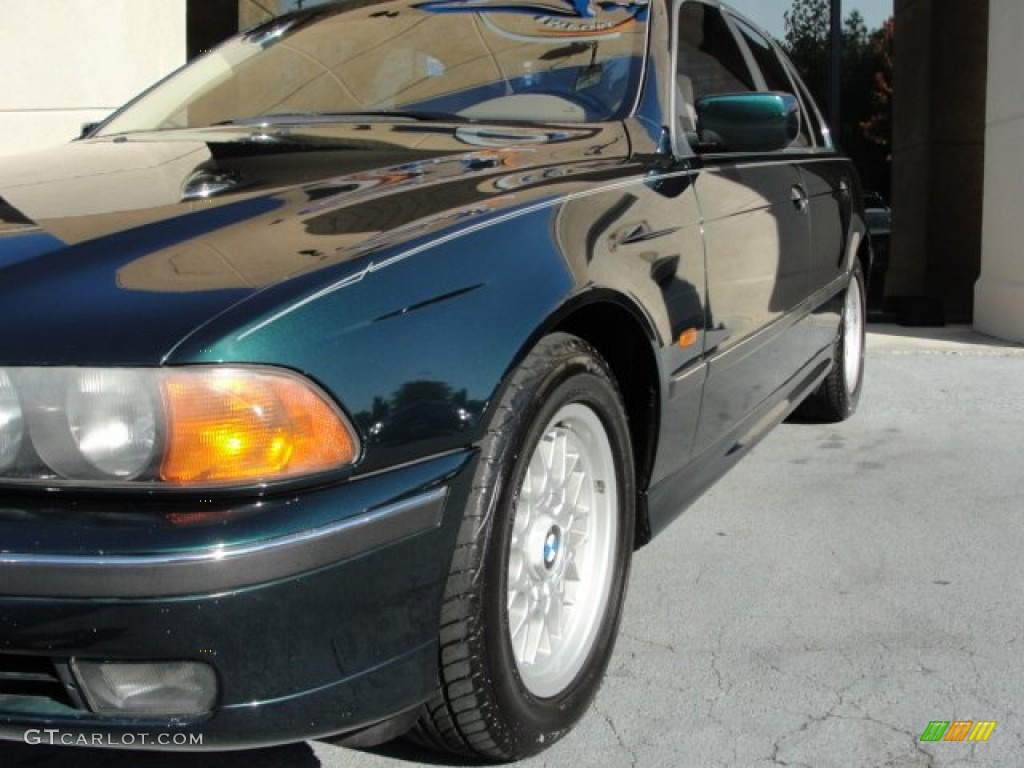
(219, 568)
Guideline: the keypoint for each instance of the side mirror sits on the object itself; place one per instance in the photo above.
(88, 128)
(747, 122)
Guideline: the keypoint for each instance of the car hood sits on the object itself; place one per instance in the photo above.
(112, 250)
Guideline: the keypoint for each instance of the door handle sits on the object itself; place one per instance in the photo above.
(799, 197)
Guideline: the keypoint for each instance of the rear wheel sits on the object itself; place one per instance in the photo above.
(837, 397)
(538, 577)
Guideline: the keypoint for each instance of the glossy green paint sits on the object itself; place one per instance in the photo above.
(407, 283)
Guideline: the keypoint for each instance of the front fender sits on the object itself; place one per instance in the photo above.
(413, 346)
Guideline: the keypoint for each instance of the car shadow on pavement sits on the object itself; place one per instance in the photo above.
(407, 752)
(15, 755)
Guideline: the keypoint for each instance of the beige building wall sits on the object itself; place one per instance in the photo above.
(69, 62)
(999, 294)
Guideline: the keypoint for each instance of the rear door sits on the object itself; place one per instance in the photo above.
(826, 180)
(831, 189)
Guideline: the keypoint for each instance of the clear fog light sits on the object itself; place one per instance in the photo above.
(11, 427)
(177, 688)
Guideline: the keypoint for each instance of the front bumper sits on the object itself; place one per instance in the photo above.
(318, 612)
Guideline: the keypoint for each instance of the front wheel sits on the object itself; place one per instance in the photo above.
(538, 577)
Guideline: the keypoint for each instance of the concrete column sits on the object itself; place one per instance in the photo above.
(69, 62)
(999, 294)
(911, 149)
(212, 21)
(939, 135)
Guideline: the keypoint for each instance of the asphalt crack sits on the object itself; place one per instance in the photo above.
(812, 720)
(634, 759)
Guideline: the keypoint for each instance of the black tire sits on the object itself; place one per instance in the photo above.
(837, 397)
(482, 707)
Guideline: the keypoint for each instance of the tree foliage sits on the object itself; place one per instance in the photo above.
(807, 35)
(866, 82)
(878, 127)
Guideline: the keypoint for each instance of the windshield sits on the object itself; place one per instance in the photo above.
(463, 59)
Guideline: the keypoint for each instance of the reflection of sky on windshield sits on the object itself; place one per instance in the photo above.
(768, 13)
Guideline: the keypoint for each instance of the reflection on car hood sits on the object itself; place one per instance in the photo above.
(144, 237)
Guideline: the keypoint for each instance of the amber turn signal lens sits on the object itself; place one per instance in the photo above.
(688, 338)
(231, 425)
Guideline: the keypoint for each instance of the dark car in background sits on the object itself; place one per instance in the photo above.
(878, 218)
(344, 370)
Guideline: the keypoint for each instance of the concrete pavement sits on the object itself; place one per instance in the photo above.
(844, 586)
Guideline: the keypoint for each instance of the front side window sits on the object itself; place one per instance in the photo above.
(708, 62)
(707, 54)
(468, 59)
(775, 76)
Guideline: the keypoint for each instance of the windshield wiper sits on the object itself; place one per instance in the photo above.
(279, 118)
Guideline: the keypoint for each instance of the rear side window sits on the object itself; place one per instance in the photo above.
(812, 116)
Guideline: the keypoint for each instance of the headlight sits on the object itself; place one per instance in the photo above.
(180, 427)
(10, 423)
(95, 424)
